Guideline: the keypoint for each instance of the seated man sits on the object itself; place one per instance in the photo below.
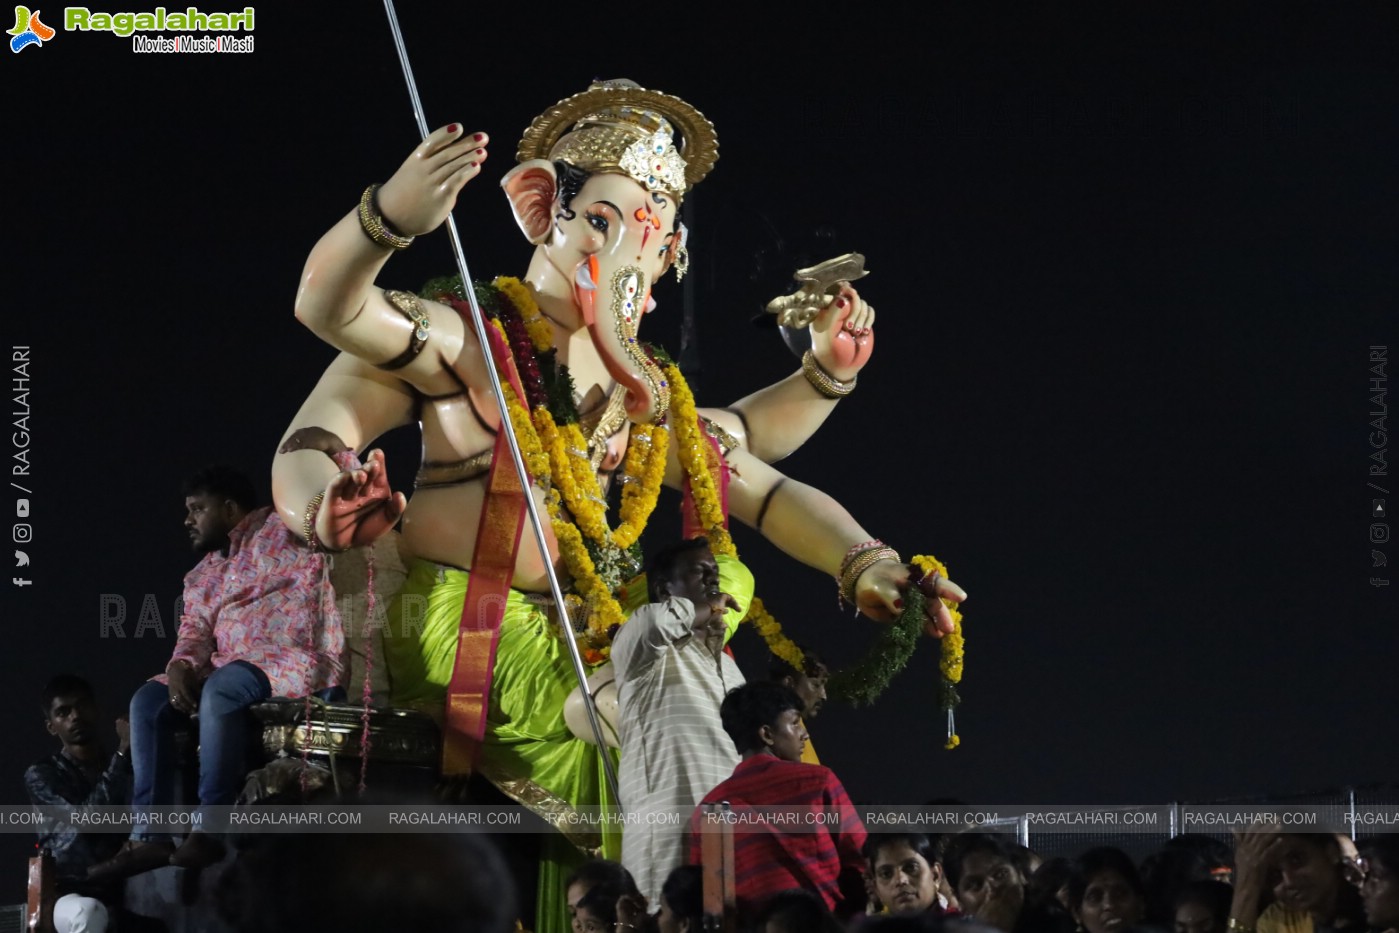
(819, 850)
(672, 674)
(257, 622)
(80, 775)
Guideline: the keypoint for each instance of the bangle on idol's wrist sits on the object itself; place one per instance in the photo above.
(373, 224)
(822, 381)
(856, 549)
(856, 565)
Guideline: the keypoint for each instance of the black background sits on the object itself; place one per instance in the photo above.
(1128, 265)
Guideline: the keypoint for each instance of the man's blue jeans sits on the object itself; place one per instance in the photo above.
(223, 741)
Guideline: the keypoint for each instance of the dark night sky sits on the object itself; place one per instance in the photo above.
(1128, 267)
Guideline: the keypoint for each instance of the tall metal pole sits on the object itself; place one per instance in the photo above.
(479, 322)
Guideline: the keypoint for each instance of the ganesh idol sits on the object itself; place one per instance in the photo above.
(597, 190)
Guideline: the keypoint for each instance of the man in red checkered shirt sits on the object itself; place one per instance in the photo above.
(794, 825)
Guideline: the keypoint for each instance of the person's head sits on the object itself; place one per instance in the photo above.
(1026, 859)
(685, 568)
(216, 500)
(1047, 890)
(1166, 872)
(764, 717)
(1202, 907)
(1106, 894)
(796, 911)
(447, 883)
(70, 710)
(598, 192)
(596, 910)
(1378, 870)
(981, 867)
(682, 901)
(809, 683)
(597, 872)
(1311, 870)
(905, 869)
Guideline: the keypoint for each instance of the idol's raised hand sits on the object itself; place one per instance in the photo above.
(842, 335)
(423, 191)
(358, 506)
(879, 594)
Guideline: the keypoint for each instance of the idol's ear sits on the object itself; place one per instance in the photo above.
(669, 258)
(531, 187)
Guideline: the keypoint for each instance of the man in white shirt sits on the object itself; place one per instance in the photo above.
(672, 674)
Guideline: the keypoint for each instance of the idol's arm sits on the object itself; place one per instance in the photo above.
(815, 529)
(776, 420)
(337, 299)
(351, 405)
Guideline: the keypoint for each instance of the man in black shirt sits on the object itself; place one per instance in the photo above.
(80, 775)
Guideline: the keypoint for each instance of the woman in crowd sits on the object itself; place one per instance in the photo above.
(906, 871)
(1106, 894)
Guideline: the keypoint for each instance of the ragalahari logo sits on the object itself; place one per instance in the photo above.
(29, 30)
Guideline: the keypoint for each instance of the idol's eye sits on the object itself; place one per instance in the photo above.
(597, 221)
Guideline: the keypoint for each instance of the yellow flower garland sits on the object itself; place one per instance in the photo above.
(639, 498)
(557, 458)
(695, 453)
(535, 325)
(693, 457)
(953, 643)
(771, 632)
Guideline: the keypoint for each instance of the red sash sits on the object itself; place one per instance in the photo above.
(492, 570)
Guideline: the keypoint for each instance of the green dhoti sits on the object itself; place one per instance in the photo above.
(529, 752)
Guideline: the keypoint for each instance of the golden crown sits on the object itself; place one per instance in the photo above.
(618, 126)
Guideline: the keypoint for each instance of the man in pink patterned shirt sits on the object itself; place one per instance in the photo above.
(258, 621)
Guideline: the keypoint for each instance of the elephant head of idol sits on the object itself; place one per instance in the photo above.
(598, 191)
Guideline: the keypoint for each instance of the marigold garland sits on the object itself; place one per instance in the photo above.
(604, 610)
(778, 643)
(535, 324)
(953, 652)
(695, 453)
(556, 455)
(691, 449)
(646, 458)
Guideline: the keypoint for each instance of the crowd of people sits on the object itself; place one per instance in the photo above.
(1269, 881)
(693, 735)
